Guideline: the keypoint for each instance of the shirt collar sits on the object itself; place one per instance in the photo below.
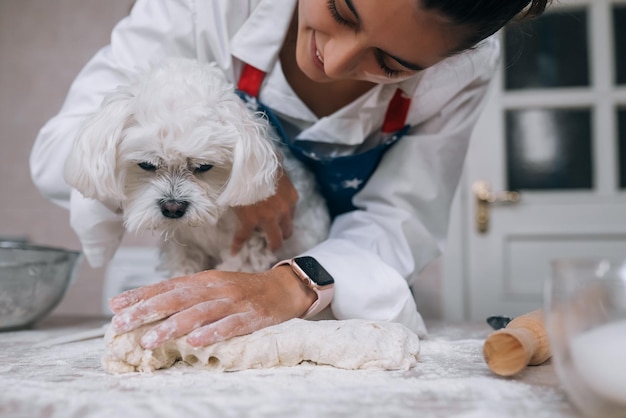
(409, 86)
(260, 38)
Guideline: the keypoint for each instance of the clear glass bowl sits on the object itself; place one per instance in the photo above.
(33, 280)
(585, 313)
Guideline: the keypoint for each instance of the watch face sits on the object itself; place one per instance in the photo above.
(314, 270)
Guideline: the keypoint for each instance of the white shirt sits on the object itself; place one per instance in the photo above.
(373, 253)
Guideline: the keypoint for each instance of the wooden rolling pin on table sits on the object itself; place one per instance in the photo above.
(521, 343)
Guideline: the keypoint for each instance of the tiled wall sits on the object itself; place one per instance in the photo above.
(43, 45)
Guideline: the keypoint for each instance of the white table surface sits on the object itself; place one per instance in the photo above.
(451, 380)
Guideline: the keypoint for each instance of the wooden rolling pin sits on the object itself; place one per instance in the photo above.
(523, 342)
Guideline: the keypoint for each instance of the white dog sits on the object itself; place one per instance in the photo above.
(177, 149)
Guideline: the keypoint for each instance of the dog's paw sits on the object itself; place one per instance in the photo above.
(231, 263)
(254, 257)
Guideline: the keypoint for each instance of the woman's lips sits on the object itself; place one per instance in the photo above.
(316, 56)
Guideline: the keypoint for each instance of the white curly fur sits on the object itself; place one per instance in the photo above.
(152, 141)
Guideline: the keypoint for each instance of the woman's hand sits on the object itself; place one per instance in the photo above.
(212, 305)
(274, 215)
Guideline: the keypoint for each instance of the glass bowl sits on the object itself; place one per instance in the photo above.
(33, 280)
(585, 313)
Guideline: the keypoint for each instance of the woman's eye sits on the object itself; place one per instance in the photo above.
(204, 168)
(147, 166)
(389, 72)
(332, 6)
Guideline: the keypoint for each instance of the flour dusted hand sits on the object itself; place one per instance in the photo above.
(210, 306)
(348, 344)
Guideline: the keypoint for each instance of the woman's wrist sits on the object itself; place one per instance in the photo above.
(300, 296)
(315, 277)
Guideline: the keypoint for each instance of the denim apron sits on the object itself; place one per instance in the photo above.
(338, 178)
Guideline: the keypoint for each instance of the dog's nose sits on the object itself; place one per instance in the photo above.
(173, 208)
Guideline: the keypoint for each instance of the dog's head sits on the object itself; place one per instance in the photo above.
(175, 146)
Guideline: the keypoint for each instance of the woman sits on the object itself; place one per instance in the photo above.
(401, 82)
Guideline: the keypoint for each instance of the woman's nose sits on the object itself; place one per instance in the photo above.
(342, 56)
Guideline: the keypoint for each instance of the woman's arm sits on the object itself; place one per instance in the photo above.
(374, 253)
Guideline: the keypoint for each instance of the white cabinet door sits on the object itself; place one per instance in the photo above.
(554, 130)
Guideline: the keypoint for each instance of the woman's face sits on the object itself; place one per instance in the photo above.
(370, 40)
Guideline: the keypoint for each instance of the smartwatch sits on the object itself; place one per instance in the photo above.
(316, 278)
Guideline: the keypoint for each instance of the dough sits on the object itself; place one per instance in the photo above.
(348, 344)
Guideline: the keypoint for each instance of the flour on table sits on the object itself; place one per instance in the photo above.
(347, 344)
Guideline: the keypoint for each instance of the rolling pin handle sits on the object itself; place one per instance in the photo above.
(523, 342)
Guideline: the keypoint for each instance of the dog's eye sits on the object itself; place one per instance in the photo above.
(204, 168)
(147, 166)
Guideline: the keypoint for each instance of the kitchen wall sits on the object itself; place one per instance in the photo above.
(43, 45)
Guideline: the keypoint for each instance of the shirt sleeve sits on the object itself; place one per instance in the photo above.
(375, 251)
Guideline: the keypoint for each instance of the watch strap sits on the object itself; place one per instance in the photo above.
(324, 294)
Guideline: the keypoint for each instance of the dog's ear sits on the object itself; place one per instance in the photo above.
(255, 163)
(91, 167)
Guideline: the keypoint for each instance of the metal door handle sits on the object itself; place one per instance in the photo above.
(484, 198)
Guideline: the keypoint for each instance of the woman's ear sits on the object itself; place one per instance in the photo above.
(255, 163)
(91, 168)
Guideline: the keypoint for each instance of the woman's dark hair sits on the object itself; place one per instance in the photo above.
(485, 17)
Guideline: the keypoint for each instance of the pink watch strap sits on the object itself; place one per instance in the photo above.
(324, 297)
(324, 294)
